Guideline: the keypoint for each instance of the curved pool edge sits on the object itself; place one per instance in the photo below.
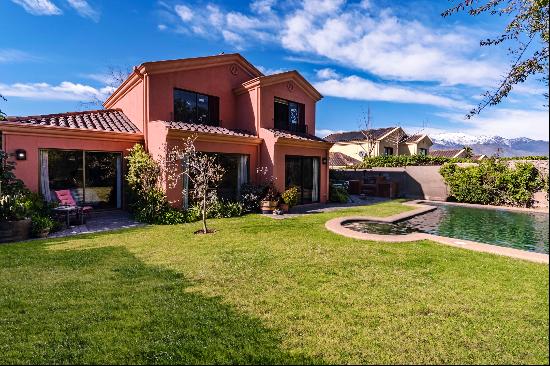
(336, 226)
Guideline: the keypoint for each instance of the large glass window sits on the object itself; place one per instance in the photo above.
(191, 107)
(91, 178)
(236, 174)
(388, 151)
(289, 115)
(303, 172)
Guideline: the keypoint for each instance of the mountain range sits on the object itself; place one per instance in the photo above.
(490, 145)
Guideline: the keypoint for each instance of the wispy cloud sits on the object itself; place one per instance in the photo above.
(12, 55)
(39, 7)
(505, 122)
(66, 90)
(84, 9)
(357, 88)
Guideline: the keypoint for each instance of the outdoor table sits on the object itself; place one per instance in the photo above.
(67, 210)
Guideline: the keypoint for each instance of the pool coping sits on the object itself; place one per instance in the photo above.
(335, 225)
(488, 207)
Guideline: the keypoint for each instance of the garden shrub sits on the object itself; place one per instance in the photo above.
(492, 182)
(252, 195)
(40, 223)
(290, 196)
(338, 194)
(407, 160)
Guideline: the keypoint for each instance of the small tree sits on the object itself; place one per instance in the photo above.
(468, 152)
(203, 170)
(397, 138)
(366, 128)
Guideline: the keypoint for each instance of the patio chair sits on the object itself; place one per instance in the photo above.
(66, 199)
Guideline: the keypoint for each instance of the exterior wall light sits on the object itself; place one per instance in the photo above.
(20, 154)
(324, 160)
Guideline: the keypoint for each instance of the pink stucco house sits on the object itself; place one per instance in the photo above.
(250, 120)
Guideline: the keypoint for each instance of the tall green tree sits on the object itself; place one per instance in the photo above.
(526, 36)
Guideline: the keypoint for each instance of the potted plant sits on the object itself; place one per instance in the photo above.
(290, 198)
(14, 225)
(270, 200)
(41, 226)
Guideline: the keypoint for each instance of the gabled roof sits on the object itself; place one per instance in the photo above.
(193, 63)
(341, 159)
(378, 133)
(446, 153)
(107, 120)
(191, 127)
(282, 77)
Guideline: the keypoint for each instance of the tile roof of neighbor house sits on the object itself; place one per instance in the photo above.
(446, 153)
(207, 129)
(358, 135)
(295, 135)
(413, 138)
(341, 159)
(107, 120)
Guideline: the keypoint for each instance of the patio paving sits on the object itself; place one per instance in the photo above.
(100, 221)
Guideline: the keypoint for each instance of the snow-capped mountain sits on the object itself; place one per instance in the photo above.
(490, 145)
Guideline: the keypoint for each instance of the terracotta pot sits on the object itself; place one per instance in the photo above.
(15, 230)
(268, 206)
(284, 207)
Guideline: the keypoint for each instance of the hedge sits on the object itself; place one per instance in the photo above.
(407, 160)
(493, 183)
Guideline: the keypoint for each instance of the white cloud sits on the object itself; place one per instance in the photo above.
(13, 55)
(390, 47)
(66, 90)
(184, 12)
(327, 73)
(270, 71)
(262, 6)
(39, 7)
(161, 27)
(84, 9)
(505, 122)
(356, 88)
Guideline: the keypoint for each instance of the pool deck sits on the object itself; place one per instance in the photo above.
(336, 226)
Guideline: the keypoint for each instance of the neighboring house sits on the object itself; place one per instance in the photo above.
(250, 120)
(378, 142)
(456, 153)
(338, 160)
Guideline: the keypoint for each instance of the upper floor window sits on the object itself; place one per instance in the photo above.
(388, 151)
(289, 116)
(423, 151)
(191, 107)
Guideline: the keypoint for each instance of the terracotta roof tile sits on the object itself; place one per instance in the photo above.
(358, 135)
(413, 138)
(445, 153)
(295, 135)
(341, 159)
(108, 120)
(208, 129)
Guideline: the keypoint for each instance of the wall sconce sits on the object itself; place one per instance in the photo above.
(324, 161)
(20, 154)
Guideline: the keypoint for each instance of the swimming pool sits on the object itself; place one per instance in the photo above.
(515, 229)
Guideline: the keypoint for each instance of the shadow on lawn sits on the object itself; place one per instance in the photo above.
(105, 306)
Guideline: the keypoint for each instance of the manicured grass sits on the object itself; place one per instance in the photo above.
(261, 290)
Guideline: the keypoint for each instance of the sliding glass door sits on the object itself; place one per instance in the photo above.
(303, 172)
(92, 178)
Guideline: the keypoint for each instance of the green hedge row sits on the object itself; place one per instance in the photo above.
(407, 160)
(531, 157)
(493, 183)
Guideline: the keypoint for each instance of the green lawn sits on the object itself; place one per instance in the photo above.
(266, 291)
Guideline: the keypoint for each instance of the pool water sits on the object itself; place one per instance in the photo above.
(521, 230)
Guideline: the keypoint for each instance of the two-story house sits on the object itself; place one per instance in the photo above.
(378, 142)
(251, 121)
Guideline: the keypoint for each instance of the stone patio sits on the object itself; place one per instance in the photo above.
(100, 221)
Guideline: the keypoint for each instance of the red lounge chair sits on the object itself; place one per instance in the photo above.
(66, 199)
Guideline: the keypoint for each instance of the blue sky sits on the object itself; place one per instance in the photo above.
(412, 67)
